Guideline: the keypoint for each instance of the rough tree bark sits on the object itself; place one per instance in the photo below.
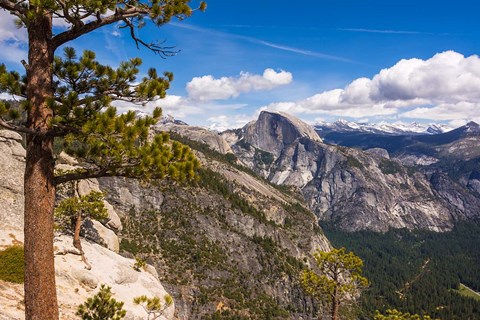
(40, 291)
(76, 236)
(335, 301)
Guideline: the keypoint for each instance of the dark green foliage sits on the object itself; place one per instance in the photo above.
(263, 157)
(153, 306)
(390, 167)
(353, 162)
(101, 306)
(243, 144)
(418, 272)
(88, 127)
(88, 206)
(12, 264)
(214, 181)
(393, 314)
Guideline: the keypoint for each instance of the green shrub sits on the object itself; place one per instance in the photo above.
(12, 264)
(389, 167)
(354, 162)
(101, 306)
(153, 306)
(264, 157)
(140, 264)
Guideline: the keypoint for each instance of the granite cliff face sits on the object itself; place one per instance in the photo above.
(356, 190)
(274, 131)
(213, 140)
(233, 245)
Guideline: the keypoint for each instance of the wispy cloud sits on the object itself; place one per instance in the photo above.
(300, 51)
(387, 31)
(277, 46)
(379, 31)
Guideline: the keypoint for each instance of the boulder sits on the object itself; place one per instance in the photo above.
(86, 186)
(100, 234)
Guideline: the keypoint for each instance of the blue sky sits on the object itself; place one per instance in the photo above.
(320, 60)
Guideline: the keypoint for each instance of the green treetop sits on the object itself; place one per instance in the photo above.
(70, 98)
(394, 314)
(338, 278)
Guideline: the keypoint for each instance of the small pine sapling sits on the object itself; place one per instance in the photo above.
(338, 281)
(71, 213)
(101, 306)
(139, 264)
(153, 306)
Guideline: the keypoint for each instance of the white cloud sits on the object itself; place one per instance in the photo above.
(12, 39)
(174, 105)
(447, 112)
(224, 122)
(208, 88)
(8, 29)
(444, 87)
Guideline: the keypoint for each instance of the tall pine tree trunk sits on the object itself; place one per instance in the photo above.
(335, 304)
(40, 291)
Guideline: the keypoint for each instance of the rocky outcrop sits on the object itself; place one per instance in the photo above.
(379, 152)
(12, 166)
(354, 189)
(210, 138)
(74, 282)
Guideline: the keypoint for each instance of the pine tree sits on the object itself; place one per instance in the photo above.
(153, 306)
(102, 306)
(70, 97)
(71, 212)
(338, 280)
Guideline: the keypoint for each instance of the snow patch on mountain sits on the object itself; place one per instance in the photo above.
(395, 128)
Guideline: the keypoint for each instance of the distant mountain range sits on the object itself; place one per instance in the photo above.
(439, 145)
(397, 128)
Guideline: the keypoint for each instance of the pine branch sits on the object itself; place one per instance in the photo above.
(60, 130)
(101, 172)
(81, 29)
(156, 47)
(14, 7)
(16, 128)
(83, 175)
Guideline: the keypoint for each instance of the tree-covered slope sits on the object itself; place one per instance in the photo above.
(418, 272)
(231, 246)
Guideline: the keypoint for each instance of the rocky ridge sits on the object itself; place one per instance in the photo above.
(233, 245)
(353, 189)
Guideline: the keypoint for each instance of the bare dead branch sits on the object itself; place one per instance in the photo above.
(156, 47)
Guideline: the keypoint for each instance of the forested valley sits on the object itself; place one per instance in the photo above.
(418, 271)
